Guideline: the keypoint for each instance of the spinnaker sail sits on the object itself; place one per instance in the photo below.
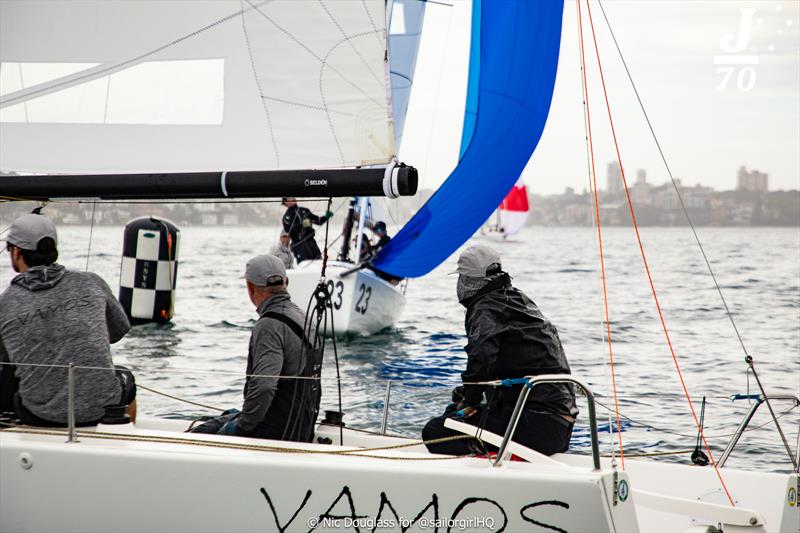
(518, 58)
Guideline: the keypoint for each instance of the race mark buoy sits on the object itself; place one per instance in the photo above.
(149, 269)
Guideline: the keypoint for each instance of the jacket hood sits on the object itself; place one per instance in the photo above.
(499, 281)
(39, 278)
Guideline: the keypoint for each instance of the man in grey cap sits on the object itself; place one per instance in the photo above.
(283, 251)
(275, 405)
(53, 316)
(508, 337)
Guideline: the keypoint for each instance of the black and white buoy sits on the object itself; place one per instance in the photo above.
(149, 269)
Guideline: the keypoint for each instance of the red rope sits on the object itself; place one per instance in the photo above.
(600, 237)
(647, 267)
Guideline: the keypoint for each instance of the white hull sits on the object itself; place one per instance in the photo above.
(362, 302)
(145, 480)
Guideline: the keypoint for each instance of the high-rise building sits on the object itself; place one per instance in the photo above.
(753, 180)
(641, 176)
(614, 177)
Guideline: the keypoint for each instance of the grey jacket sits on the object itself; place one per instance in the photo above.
(275, 350)
(284, 253)
(52, 316)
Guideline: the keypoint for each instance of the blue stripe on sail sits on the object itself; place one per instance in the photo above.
(404, 38)
(471, 111)
(520, 44)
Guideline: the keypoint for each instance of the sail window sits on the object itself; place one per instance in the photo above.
(185, 92)
(398, 25)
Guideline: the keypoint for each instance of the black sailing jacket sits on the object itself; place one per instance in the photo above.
(508, 337)
(303, 244)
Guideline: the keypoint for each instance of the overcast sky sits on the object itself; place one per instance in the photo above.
(708, 125)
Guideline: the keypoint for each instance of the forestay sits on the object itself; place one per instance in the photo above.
(177, 86)
(519, 47)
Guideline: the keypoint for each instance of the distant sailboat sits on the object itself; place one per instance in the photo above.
(511, 215)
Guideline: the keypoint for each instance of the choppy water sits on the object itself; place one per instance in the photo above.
(202, 355)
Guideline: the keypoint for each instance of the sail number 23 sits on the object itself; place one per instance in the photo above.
(364, 294)
(335, 292)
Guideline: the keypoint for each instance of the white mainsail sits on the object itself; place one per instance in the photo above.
(179, 86)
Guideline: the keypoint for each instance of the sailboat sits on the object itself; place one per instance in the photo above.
(511, 214)
(150, 476)
(362, 300)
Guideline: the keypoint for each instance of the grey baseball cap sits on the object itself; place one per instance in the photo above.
(265, 270)
(476, 260)
(28, 230)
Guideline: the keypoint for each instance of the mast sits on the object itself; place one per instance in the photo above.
(347, 231)
(392, 181)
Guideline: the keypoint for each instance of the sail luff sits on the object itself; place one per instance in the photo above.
(405, 29)
(473, 79)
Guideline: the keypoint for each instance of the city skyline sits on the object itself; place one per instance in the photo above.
(720, 82)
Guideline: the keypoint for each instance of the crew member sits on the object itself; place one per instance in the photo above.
(274, 408)
(298, 223)
(52, 316)
(366, 249)
(379, 229)
(283, 251)
(508, 337)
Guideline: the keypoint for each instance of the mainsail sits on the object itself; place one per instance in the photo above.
(189, 86)
(518, 57)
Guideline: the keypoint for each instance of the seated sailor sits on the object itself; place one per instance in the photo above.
(508, 337)
(275, 405)
(51, 317)
(283, 251)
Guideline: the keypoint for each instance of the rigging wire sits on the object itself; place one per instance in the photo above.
(748, 357)
(91, 232)
(644, 259)
(591, 206)
(600, 237)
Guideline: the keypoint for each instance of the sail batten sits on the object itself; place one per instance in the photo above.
(518, 54)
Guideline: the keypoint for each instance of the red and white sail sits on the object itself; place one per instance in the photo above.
(513, 211)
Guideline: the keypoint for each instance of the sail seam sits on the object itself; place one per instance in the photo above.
(267, 115)
(315, 56)
(347, 38)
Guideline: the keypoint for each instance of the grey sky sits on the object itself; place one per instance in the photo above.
(708, 127)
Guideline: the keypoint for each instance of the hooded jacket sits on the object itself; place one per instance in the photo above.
(508, 337)
(52, 316)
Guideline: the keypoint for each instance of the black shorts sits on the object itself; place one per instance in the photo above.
(128, 395)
